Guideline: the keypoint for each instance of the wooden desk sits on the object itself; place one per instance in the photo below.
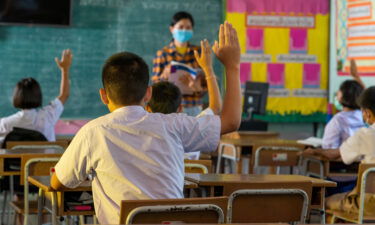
(254, 144)
(252, 135)
(23, 155)
(217, 183)
(57, 198)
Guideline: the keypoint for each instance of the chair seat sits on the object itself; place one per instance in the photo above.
(18, 207)
(351, 217)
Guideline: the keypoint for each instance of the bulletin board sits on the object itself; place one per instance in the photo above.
(285, 43)
(355, 36)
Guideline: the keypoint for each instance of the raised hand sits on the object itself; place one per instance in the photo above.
(66, 60)
(205, 58)
(227, 50)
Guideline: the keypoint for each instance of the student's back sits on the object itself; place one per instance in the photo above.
(137, 155)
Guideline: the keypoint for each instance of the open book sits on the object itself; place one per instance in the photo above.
(177, 71)
(312, 141)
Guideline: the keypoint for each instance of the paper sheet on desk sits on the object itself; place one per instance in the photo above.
(312, 141)
(177, 71)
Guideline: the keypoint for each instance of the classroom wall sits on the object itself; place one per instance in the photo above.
(99, 29)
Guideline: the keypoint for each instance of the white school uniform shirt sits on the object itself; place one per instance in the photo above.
(195, 155)
(342, 126)
(133, 154)
(42, 120)
(360, 146)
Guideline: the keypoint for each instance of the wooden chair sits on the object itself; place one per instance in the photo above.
(188, 210)
(198, 166)
(365, 185)
(321, 167)
(268, 206)
(277, 156)
(36, 144)
(227, 153)
(33, 167)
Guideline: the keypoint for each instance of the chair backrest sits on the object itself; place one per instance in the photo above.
(267, 206)
(365, 186)
(37, 144)
(21, 134)
(198, 166)
(277, 156)
(226, 151)
(35, 167)
(206, 210)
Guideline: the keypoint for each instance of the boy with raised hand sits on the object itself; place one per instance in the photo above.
(133, 154)
(166, 97)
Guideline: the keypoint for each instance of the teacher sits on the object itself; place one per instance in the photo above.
(180, 50)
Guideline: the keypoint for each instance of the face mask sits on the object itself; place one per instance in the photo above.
(182, 35)
(337, 104)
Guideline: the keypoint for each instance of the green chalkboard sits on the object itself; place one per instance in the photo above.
(99, 29)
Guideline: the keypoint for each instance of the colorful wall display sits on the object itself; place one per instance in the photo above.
(355, 36)
(285, 43)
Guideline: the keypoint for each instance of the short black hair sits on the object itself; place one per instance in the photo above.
(367, 99)
(166, 98)
(27, 94)
(180, 16)
(125, 78)
(350, 90)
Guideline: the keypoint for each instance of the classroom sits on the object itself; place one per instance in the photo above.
(187, 111)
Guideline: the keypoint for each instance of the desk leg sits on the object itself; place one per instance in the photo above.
(54, 208)
(40, 206)
(11, 188)
(3, 212)
(323, 212)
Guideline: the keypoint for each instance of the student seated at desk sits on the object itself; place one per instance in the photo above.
(360, 146)
(133, 154)
(345, 123)
(166, 97)
(28, 97)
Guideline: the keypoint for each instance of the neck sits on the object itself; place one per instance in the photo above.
(346, 109)
(180, 44)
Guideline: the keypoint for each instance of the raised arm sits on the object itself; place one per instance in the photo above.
(354, 73)
(228, 52)
(205, 62)
(64, 65)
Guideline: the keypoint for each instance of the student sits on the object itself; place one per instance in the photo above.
(345, 123)
(133, 154)
(359, 147)
(28, 98)
(166, 97)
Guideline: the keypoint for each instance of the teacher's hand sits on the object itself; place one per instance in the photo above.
(166, 73)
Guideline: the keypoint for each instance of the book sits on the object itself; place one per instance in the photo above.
(178, 70)
(312, 141)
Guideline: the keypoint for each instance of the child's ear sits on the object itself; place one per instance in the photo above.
(171, 29)
(148, 95)
(103, 96)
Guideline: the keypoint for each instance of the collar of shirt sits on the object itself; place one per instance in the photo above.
(173, 47)
(132, 109)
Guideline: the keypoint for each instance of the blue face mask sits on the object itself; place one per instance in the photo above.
(337, 104)
(182, 35)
